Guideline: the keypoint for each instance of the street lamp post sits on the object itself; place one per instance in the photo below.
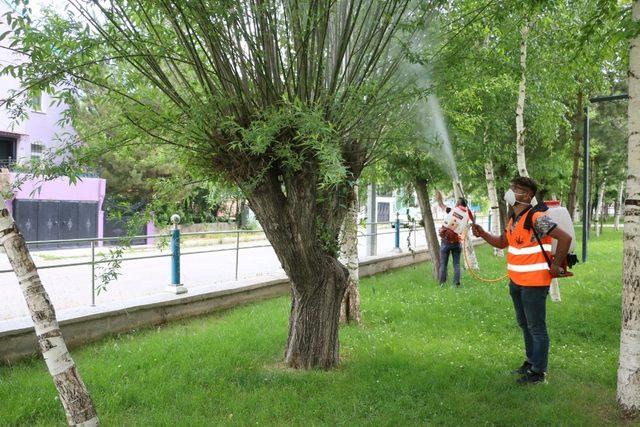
(585, 169)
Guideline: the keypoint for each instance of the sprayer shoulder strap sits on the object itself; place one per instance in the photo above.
(546, 256)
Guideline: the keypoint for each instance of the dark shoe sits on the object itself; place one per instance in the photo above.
(457, 285)
(522, 369)
(532, 377)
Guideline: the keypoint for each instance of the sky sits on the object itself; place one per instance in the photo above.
(38, 5)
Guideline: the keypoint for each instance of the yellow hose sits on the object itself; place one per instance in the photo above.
(470, 270)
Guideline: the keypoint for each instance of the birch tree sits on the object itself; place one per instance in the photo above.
(522, 88)
(616, 220)
(578, 118)
(350, 309)
(73, 393)
(628, 393)
(493, 201)
(469, 251)
(597, 223)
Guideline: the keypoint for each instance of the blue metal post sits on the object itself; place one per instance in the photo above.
(175, 287)
(397, 242)
(175, 256)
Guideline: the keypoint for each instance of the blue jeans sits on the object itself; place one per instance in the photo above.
(530, 303)
(454, 249)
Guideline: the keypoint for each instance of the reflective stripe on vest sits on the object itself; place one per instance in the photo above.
(526, 263)
(529, 250)
(525, 268)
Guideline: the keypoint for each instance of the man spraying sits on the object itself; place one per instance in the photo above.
(530, 232)
(450, 237)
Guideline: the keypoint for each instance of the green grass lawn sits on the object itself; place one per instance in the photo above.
(424, 355)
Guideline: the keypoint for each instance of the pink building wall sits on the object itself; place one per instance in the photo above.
(84, 190)
(42, 127)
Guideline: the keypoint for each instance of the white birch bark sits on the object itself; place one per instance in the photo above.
(493, 201)
(469, 251)
(599, 206)
(628, 393)
(577, 144)
(520, 129)
(72, 391)
(350, 309)
(616, 220)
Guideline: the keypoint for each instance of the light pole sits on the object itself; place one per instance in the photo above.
(585, 169)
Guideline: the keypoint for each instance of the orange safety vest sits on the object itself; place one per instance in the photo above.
(526, 263)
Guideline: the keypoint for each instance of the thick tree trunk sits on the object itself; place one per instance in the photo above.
(520, 129)
(314, 319)
(629, 367)
(577, 145)
(72, 391)
(468, 250)
(493, 201)
(422, 190)
(350, 309)
(293, 224)
(616, 220)
(599, 208)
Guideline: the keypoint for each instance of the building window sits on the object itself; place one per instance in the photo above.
(36, 101)
(383, 212)
(36, 151)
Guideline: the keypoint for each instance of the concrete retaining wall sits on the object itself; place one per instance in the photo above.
(90, 324)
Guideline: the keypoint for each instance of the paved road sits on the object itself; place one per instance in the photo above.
(70, 287)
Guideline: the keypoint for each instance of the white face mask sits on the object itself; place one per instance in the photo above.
(510, 198)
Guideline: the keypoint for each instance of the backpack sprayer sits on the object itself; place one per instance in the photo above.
(458, 218)
(560, 215)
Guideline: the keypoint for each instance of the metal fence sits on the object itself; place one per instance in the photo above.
(411, 231)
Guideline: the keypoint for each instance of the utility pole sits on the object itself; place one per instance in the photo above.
(586, 214)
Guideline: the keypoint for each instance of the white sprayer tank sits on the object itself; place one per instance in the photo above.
(457, 219)
(560, 215)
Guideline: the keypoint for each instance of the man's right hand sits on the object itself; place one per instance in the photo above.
(477, 230)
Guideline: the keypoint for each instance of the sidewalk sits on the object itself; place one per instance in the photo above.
(70, 287)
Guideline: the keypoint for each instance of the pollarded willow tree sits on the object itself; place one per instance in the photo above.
(289, 100)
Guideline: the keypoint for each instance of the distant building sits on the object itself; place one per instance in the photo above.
(56, 210)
